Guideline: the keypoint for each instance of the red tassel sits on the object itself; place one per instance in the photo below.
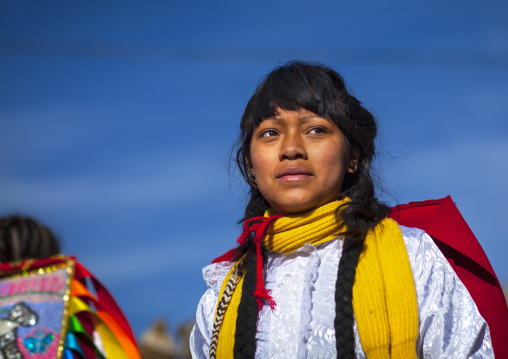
(242, 238)
(264, 294)
(260, 229)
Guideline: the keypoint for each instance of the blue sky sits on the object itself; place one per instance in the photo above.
(117, 120)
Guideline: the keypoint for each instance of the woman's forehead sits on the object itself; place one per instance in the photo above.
(304, 115)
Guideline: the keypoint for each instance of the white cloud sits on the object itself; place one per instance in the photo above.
(48, 130)
(134, 181)
(167, 253)
(470, 165)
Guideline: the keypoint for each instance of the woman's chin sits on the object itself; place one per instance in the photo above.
(295, 208)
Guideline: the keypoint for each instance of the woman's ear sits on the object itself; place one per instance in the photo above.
(252, 175)
(352, 162)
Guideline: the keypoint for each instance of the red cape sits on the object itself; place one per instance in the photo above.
(441, 219)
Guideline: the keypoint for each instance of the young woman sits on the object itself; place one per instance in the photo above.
(320, 271)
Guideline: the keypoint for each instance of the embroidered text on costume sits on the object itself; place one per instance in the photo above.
(45, 284)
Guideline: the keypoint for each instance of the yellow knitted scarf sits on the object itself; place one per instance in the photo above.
(384, 295)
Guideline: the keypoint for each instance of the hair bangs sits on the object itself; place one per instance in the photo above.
(294, 87)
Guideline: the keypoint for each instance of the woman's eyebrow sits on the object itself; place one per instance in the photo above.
(308, 118)
(273, 120)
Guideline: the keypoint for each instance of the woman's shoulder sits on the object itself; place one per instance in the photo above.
(418, 242)
(215, 273)
(421, 249)
(411, 233)
(429, 265)
(444, 303)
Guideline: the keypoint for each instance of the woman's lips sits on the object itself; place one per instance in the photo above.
(293, 174)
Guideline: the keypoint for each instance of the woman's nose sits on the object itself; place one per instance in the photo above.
(292, 147)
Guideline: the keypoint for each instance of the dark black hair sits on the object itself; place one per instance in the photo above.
(23, 238)
(321, 90)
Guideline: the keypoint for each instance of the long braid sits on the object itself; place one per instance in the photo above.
(344, 314)
(246, 322)
(223, 305)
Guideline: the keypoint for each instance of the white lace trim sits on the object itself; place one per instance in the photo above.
(214, 275)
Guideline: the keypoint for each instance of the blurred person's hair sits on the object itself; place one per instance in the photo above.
(23, 238)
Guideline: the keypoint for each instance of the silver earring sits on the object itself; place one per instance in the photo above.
(252, 176)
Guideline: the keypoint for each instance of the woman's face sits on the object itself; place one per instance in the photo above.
(299, 161)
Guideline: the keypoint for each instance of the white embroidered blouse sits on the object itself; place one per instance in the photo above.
(303, 286)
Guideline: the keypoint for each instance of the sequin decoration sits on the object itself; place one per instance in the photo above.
(32, 307)
(38, 343)
(19, 315)
(73, 315)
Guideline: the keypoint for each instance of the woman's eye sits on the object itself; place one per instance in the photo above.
(317, 131)
(269, 133)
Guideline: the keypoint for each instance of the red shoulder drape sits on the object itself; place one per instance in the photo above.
(442, 221)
